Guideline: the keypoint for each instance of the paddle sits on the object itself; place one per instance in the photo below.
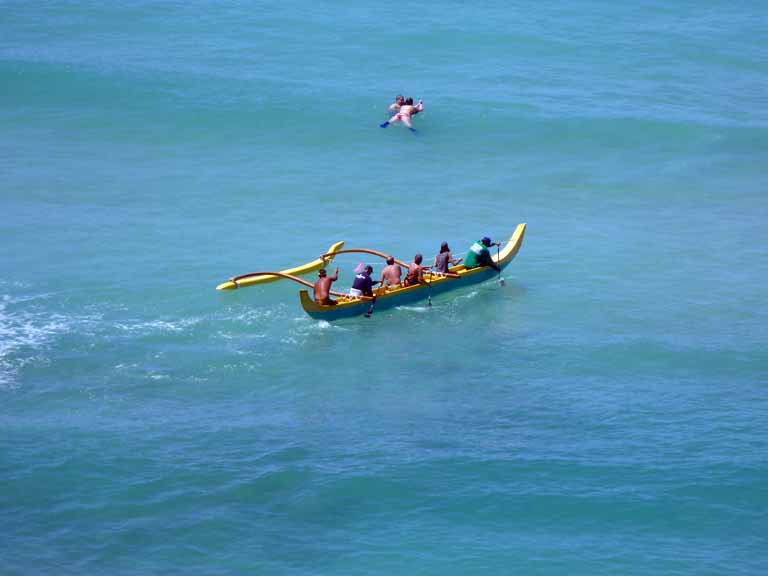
(370, 308)
(429, 297)
(373, 301)
(498, 250)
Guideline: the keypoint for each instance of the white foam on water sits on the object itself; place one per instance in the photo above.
(23, 336)
(468, 295)
(152, 326)
(8, 299)
(250, 315)
(236, 323)
(419, 309)
(306, 328)
(308, 325)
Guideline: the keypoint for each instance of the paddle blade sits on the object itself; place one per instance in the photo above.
(370, 310)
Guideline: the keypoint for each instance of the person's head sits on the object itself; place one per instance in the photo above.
(409, 102)
(418, 258)
(390, 260)
(486, 241)
(444, 247)
(322, 273)
(399, 99)
(368, 270)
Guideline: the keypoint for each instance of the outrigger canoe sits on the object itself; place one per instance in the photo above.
(435, 283)
(265, 277)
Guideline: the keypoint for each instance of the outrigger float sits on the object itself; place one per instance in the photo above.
(265, 277)
(385, 297)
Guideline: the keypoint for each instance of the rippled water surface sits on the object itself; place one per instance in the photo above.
(604, 412)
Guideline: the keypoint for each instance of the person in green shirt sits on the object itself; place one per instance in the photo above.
(479, 255)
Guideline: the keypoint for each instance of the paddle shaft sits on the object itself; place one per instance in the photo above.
(498, 264)
(370, 309)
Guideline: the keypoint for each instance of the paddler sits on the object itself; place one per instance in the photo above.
(322, 288)
(390, 276)
(479, 255)
(415, 271)
(399, 101)
(444, 259)
(363, 285)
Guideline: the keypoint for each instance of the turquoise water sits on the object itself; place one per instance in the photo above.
(604, 412)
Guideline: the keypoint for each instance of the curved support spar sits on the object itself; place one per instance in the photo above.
(364, 251)
(291, 277)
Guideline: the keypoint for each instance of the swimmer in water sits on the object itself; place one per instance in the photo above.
(399, 101)
(404, 114)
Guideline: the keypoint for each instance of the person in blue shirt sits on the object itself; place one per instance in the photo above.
(363, 284)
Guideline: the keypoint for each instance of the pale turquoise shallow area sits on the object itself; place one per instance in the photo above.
(605, 412)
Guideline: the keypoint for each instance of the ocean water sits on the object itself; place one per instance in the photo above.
(605, 412)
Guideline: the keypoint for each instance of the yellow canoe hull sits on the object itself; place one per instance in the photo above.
(347, 307)
(296, 271)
